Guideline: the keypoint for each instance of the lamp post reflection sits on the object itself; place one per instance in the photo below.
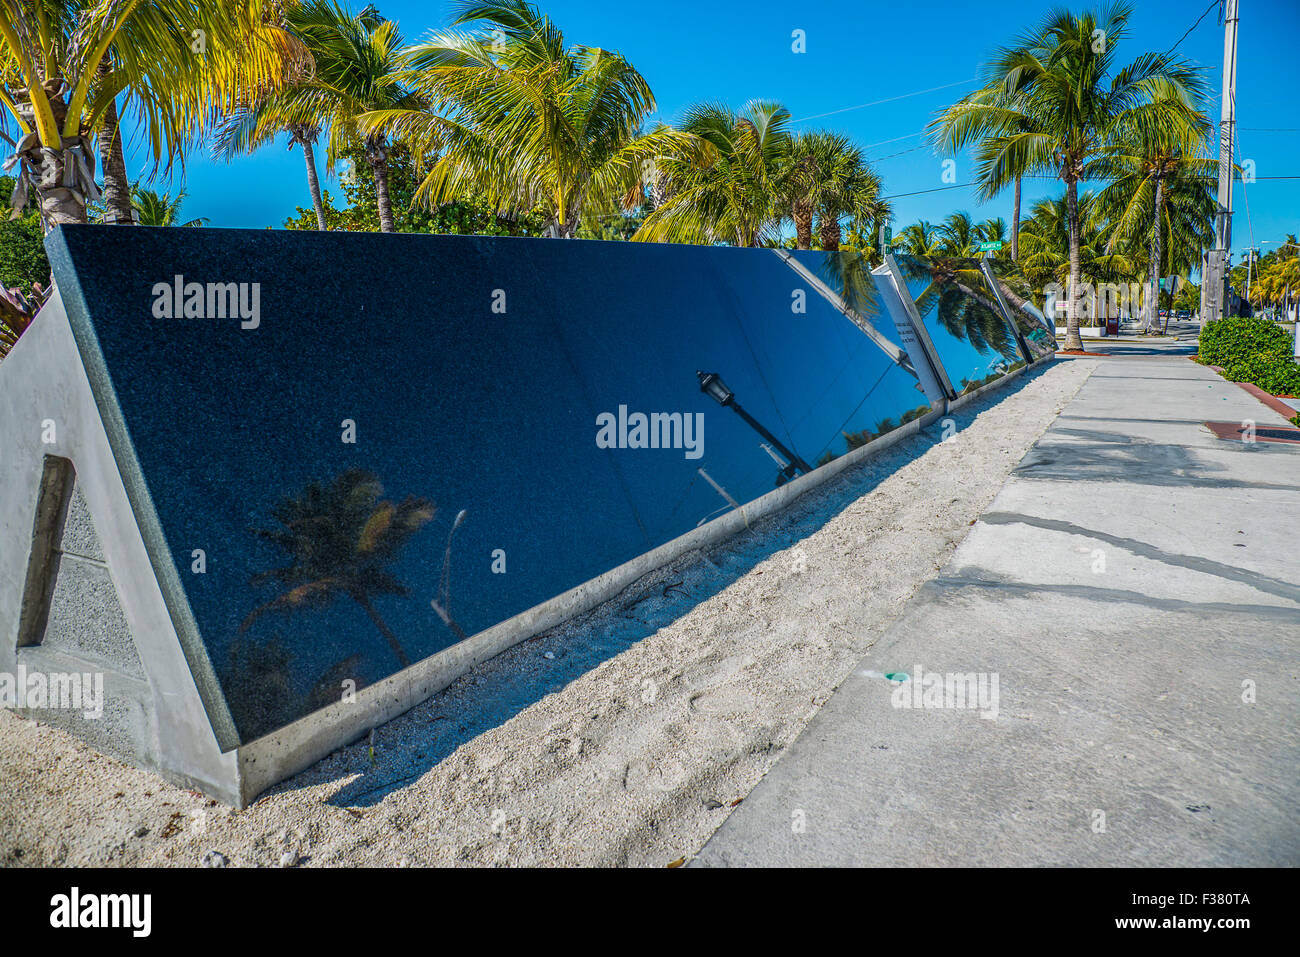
(711, 384)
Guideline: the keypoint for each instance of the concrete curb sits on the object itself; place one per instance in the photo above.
(1271, 401)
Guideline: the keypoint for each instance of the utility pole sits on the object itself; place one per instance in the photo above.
(1214, 275)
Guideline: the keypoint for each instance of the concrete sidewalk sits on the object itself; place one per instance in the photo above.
(1133, 589)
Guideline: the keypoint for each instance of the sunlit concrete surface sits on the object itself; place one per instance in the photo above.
(1133, 589)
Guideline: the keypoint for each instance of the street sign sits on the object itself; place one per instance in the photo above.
(987, 247)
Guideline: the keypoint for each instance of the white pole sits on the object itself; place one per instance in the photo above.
(1250, 268)
(1216, 299)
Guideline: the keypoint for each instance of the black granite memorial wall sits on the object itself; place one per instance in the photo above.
(362, 448)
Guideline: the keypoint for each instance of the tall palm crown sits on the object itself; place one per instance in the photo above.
(524, 119)
(992, 230)
(953, 129)
(849, 187)
(64, 63)
(826, 176)
(921, 239)
(267, 113)
(1062, 97)
(724, 182)
(959, 234)
(1161, 182)
(340, 539)
(811, 157)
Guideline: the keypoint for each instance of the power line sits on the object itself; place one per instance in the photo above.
(888, 99)
(1213, 4)
(905, 136)
(879, 159)
(937, 189)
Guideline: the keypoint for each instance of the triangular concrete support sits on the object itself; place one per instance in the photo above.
(88, 550)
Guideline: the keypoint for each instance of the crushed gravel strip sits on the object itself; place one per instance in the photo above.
(620, 738)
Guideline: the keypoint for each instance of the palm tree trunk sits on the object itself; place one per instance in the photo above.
(830, 233)
(59, 205)
(802, 214)
(1015, 226)
(313, 181)
(1072, 340)
(69, 163)
(384, 630)
(1153, 293)
(379, 166)
(117, 184)
(658, 191)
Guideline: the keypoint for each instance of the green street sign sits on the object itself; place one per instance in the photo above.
(987, 247)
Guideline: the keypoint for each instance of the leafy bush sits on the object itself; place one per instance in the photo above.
(1252, 350)
(1273, 371)
(22, 246)
(1225, 338)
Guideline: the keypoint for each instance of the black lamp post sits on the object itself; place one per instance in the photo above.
(711, 384)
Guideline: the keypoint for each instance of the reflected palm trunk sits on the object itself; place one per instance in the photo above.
(384, 630)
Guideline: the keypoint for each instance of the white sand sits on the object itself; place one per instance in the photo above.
(627, 746)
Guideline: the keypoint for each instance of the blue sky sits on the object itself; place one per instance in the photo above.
(857, 53)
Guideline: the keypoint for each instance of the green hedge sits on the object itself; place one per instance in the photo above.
(1252, 350)
(22, 246)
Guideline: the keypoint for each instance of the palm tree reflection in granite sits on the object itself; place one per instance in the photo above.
(341, 539)
(965, 307)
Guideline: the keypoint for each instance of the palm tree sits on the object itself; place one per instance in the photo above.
(341, 538)
(1162, 181)
(155, 209)
(1277, 276)
(959, 126)
(524, 120)
(848, 187)
(810, 154)
(724, 182)
(864, 238)
(921, 239)
(1061, 99)
(257, 122)
(357, 61)
(263, 57)
(959, 235)
(993, 230)
(956, 289)
(64, 63)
